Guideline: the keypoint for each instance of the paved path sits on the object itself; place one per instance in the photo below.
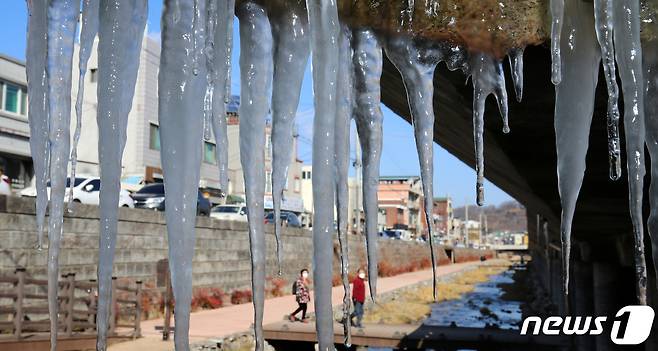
(234, 319)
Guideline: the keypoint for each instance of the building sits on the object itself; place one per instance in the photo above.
(442, 215)
(401, 203)
(15, 157)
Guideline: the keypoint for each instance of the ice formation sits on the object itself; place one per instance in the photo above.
(118, 59)
(37, 84)
(62, 20)
(276, 40)
(344, 111)
(181, 89)
(88, 30)
(416, 61)
(368, 60)
(291, 50)
(256, 79)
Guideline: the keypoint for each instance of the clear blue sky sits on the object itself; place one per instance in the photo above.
(451, 176)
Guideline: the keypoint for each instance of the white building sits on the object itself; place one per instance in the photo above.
(15, 159)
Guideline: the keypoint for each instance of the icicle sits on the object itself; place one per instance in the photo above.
(557, 16)
(324, 30)
(211, 74)
(488, 78)
(416, 62)
(516, 65)
(628, 53)
(344, 110)
(603, 16)
(37, 84)
(650, 63)
(368, 115)
(574, 105)
(121, 28)
(291, 49)
(62, 21)
(222, 88)
(256, 79)
(88, 30)
(180, 94)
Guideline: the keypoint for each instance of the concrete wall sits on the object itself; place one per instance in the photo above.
(222, 248)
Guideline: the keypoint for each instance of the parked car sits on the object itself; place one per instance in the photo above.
(287, 219)
(390, 234)
(152, 196)
(86, 190)
(230, 213)
(5, 185)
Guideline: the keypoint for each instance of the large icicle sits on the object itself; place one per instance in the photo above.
(650, 64)
(344, 110)
(368, 116)
(574, 105)
(416, 62)
(212, 17)
(88, 30)
(37, 84)
(603, 19)
(324, 30)
(289, 23)
(222, 88)
(488, 78)
(628, 53)
(62, 21)
(180, 104)
(557, 18)
(516, 65)
(256, 80)
(121, 28)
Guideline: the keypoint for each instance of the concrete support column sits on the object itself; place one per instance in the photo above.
(606, 293)
(582, 300)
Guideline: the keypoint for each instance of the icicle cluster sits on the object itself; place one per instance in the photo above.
(276, 39)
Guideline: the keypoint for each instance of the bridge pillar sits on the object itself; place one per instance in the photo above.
(606, 290)
(582, 300)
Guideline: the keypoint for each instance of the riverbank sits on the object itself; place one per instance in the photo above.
(413, 305)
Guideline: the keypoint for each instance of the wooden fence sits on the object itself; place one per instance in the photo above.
(24, 307)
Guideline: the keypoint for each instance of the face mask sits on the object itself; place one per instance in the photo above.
(362, 275)
(305, 275)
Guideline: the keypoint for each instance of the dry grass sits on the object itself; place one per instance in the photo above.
(414, 306)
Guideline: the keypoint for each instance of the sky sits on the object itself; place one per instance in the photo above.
(451, 176)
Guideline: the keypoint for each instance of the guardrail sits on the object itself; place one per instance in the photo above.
(24, 306)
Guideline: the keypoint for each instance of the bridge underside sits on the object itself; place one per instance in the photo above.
(523, 163)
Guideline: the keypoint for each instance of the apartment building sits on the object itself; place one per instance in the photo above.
(401, 203)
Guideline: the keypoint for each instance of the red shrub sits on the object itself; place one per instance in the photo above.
(277, 287)
(241, 296)
(207, 298)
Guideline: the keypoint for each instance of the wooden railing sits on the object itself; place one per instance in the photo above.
(24, 306)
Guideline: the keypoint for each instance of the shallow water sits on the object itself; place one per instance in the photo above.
(483, 307)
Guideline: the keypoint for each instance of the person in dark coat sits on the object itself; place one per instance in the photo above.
(302, 296)
(358, 297)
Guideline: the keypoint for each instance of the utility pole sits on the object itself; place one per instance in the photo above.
(466, 224)
(480, 243)
(359, 187)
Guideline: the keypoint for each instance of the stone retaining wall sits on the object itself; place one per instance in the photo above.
(222, 248)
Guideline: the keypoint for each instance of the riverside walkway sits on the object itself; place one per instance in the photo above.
(222, 322)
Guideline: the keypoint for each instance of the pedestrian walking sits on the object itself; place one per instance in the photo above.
(358, 297)
(300, 290)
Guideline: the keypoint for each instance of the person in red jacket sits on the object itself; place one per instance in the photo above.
(302, 295)
(358, 297)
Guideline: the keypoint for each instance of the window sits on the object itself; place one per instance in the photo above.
(93, 75)
(306, 174)
(95, 185)
(11, 98)
(23, 101)
(154, 137)
(209, 153)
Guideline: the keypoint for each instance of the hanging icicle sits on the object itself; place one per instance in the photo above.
(256, 79)
(344, 111)
(368, 60)
(325, 32)
(557, 18)
(488, 78)
(181, 93)
(291, 50)
(416, 62)
(122, 24)
(88, 30)
(37, 85)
